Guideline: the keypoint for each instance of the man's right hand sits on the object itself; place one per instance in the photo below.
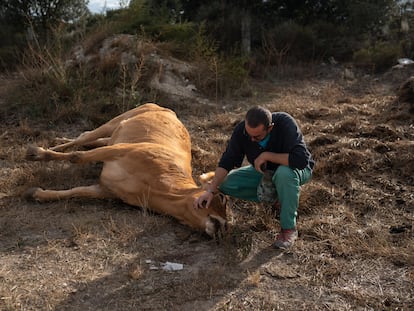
(206, 198)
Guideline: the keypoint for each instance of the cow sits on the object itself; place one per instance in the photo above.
(146, 155)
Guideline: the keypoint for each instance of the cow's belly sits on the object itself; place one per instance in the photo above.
(139, 189)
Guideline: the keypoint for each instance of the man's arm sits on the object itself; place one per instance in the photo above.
(219, 176)
(278, 158)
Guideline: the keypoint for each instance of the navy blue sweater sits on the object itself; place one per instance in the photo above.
(285, 137)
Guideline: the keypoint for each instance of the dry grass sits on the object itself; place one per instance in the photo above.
(356, 244)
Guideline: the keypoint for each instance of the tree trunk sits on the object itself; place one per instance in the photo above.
(245, 32)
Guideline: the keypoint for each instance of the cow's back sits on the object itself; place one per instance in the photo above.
(153, 124)
(157, 125)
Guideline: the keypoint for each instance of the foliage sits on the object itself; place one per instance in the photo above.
(130, 20)
(332, 40)
(209, 34)
(352, 18)
(235, 74)
(288, 41)
(23, 21)
(181, 33)
(216, 72)
(319, 28)
(377, 58)
(41, 15)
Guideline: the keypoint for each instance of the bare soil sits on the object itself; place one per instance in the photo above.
(356, 244)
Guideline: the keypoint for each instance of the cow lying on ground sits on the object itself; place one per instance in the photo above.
(146, 155)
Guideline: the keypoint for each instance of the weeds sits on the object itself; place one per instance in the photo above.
(130, 78)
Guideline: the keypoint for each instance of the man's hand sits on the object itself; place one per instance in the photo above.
(206, 197)
(204, 200)
(260, 162)
(267, 156)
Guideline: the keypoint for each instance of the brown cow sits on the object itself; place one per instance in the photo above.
(146, 155)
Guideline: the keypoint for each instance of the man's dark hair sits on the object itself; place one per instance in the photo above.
(258, 115)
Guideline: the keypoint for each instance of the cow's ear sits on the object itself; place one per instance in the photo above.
(223, 198)
(205, 179)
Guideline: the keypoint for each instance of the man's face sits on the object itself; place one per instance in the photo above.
(257, 133)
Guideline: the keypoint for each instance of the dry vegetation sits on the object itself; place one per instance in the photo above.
(356, 244)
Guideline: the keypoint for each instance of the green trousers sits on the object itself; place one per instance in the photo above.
(242, 183)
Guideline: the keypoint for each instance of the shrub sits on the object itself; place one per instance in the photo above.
(290, 43)
(332, 40)
(377, 58)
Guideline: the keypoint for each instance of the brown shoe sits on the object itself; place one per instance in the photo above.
(286, 238)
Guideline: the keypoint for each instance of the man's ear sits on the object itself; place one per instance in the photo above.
(270, 127)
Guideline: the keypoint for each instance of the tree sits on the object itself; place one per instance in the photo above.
(23, 19)
(41, 15)
(243, 23)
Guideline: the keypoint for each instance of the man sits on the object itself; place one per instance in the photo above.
(273, 144)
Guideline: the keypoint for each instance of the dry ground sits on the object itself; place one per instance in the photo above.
(356, 244)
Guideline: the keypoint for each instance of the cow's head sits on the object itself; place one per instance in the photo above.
(216, 223)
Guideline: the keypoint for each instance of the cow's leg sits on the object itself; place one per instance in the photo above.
(100, 142)
(101, 154)
(100, 136)
(94, 191)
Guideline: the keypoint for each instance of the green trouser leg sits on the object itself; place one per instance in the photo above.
(242, 183)
(288, 182)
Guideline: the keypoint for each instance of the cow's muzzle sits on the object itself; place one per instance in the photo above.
(216, 227)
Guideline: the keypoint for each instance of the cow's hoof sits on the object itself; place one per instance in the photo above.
(30, 194)
(32, 153)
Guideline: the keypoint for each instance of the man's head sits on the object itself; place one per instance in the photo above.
(258, 123)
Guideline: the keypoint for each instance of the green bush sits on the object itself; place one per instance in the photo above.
(331, 40)
(12, 44)
(287, 43)
(377, 58)
(363, 58)
(178, 39)
(182, 33)
(234, 73)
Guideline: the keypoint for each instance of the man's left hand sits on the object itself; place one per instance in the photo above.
(260, 162)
